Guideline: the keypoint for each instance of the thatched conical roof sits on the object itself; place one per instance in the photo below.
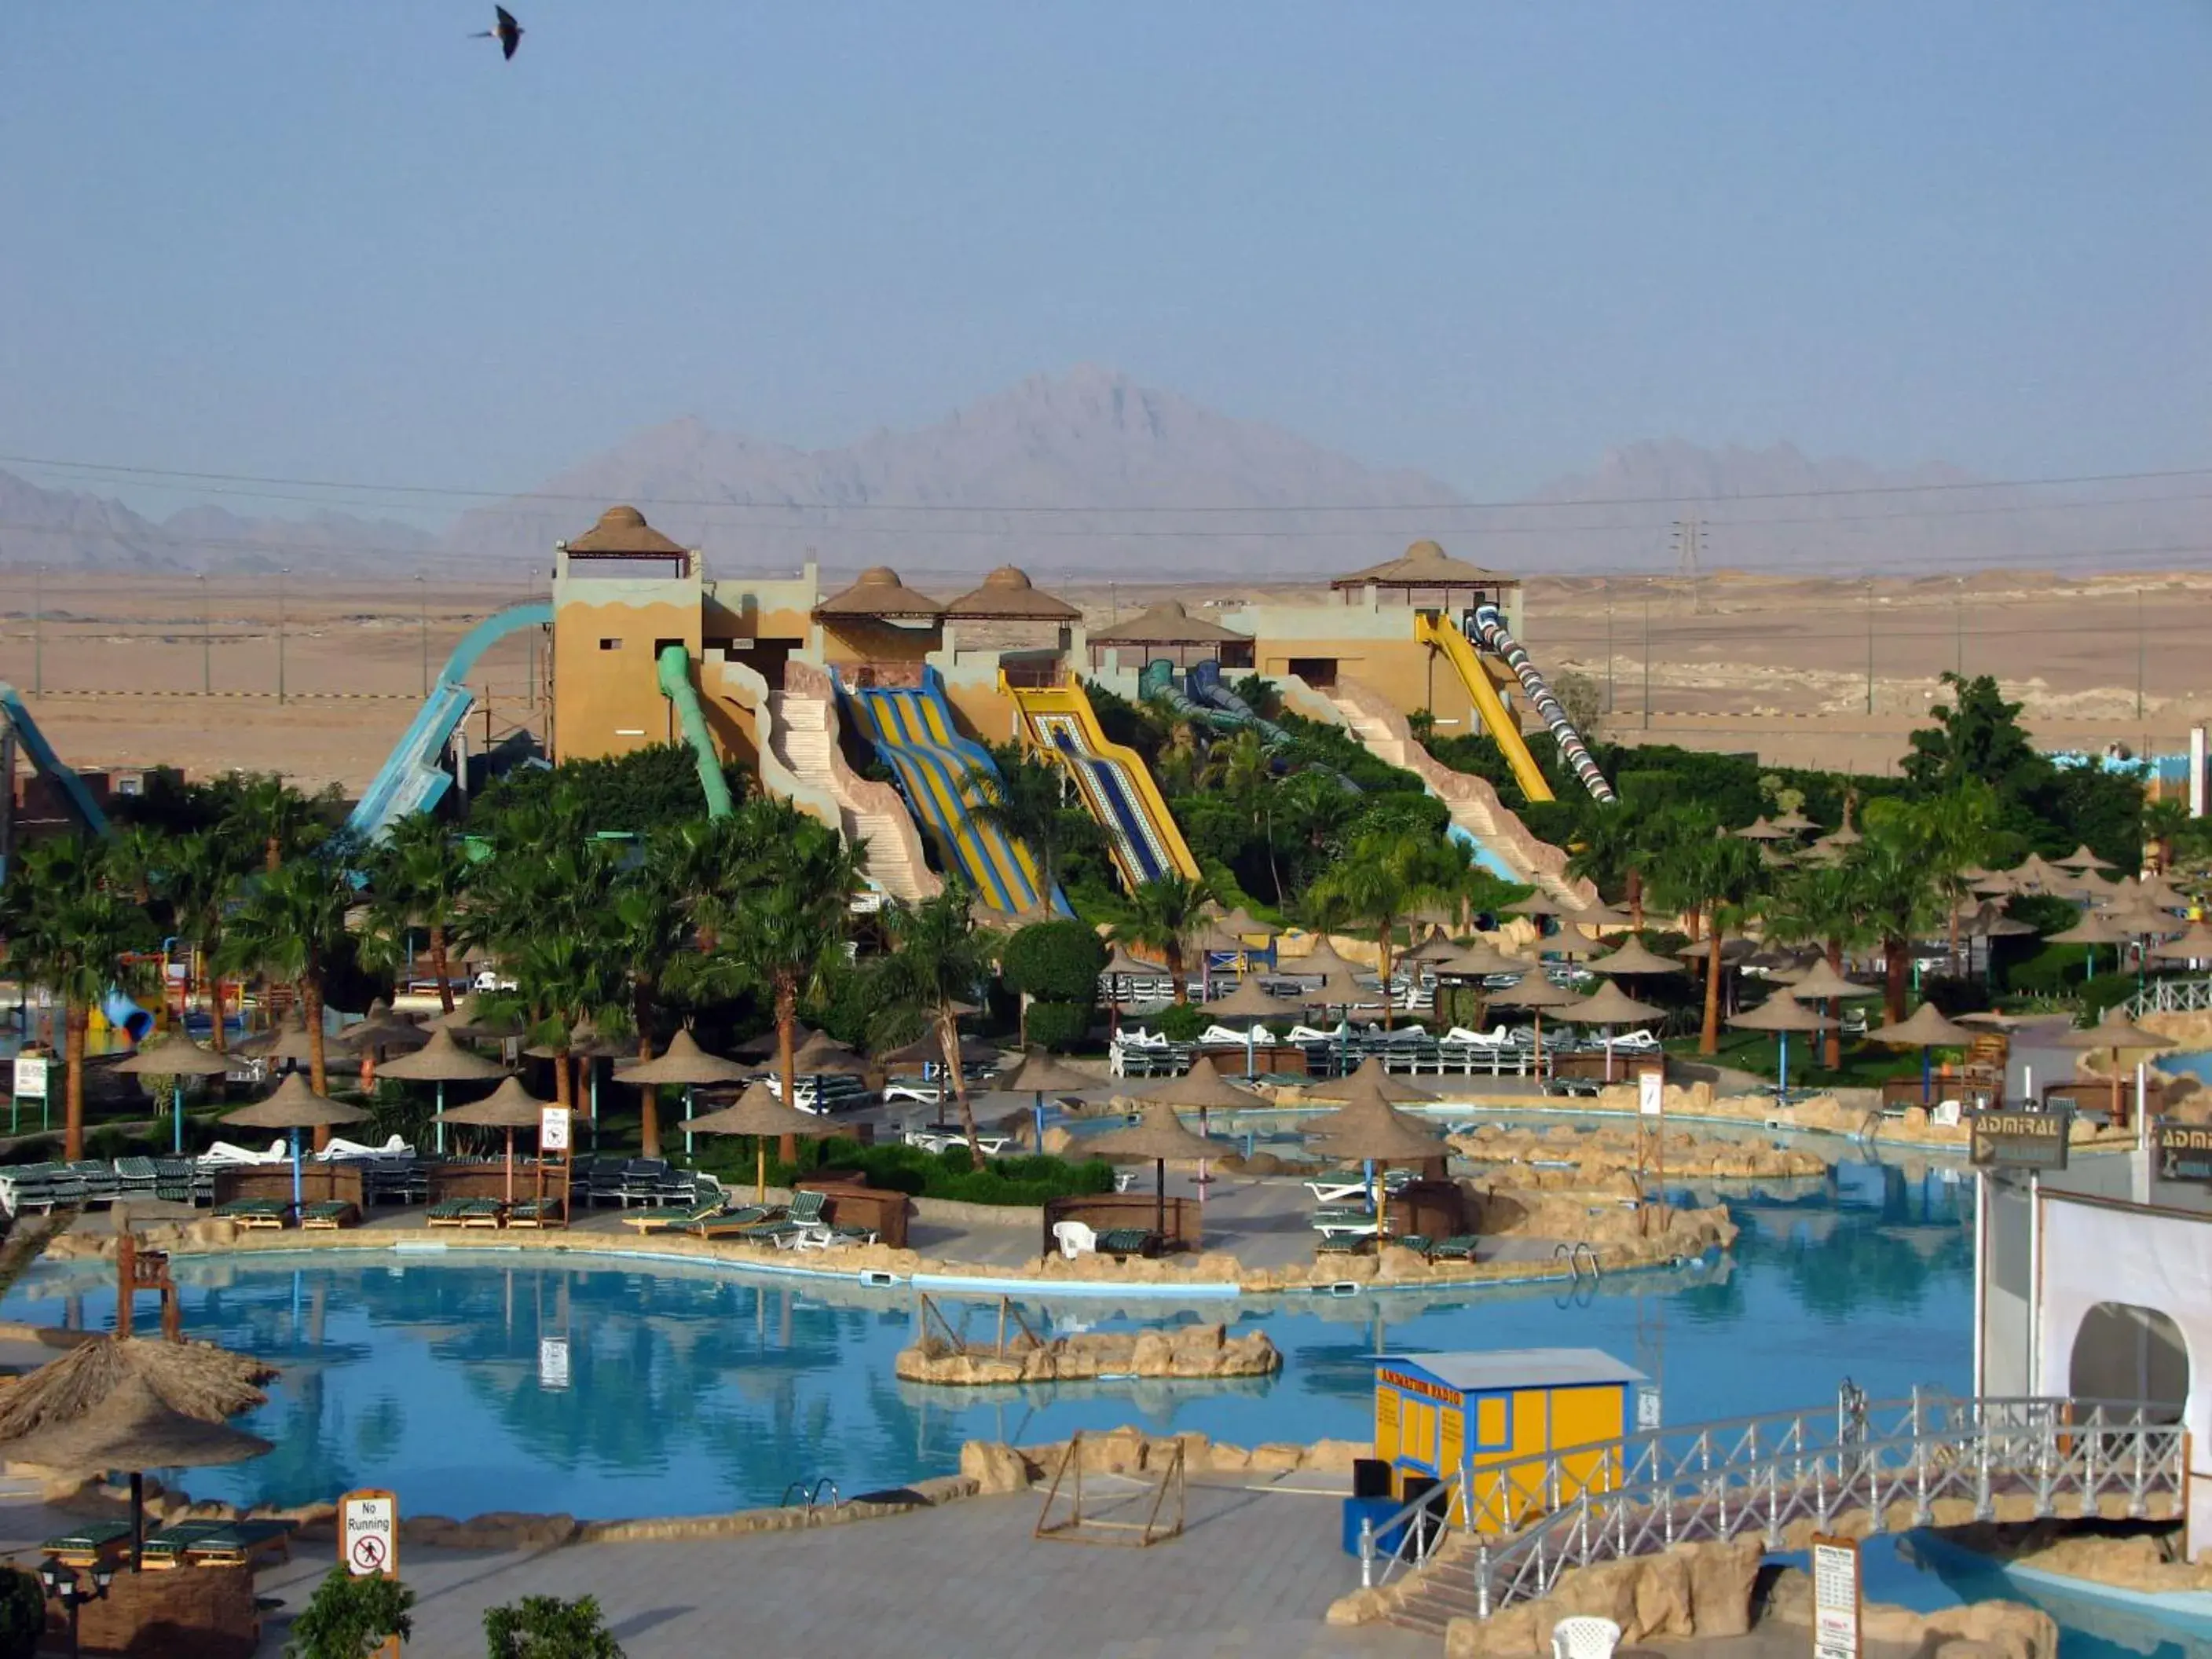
(1371, 1078)
(1165, 624)
(1781, 1012)
(2193, 946)
(1338, 983)
(134, 1428)
(1158, 1134)
(765, 1046)
(879, 592)
(758, 1112)
(1369, 1127)
(1039, 1072)
(822, 1054)
(1253, 1000)
(1610, 1006)
(2082, 859)
(2092, 928)
(1633, 958)
(1821, 982)
(510, 1106)
(171, 1053)
(1479, 961)
(290, 1041)
(1926, 1029)
(926, 1050)
(1202, 1086)
(441, 1059)
(1536, 990)
(682, 1061)
(295, 1106)
(2114, 1031)
(1008, 595)
(1424, 564)
(382, 1029)
(196, 1379)
(623, 529)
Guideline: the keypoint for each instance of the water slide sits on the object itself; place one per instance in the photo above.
(1497, 639)
(674, 669)
(1440, 632)
(1207, 684)
(912, 729)
(121, 1012)
(413, 777)
(1111, 776)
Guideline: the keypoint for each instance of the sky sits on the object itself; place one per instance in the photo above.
(1484, 240)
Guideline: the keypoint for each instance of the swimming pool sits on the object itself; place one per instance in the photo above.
(690, 1389)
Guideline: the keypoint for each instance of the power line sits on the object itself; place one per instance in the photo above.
(459, 493)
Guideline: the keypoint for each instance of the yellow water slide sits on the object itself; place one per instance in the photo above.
(1111, 777)
(1439, 631)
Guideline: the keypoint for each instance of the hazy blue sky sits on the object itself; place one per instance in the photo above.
(1486, 240)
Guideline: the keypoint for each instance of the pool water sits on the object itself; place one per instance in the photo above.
(690, 1389)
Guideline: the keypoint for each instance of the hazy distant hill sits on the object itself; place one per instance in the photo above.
(1144, 482)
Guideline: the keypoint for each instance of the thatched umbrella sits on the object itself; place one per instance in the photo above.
(470, 1022)
(1479, 961)
(2082, 859)
(293, 1107)
(1782, 1014)
(1433, 948)
(114, 1411)
(2193, 946)
(1243, 923)
(1121, 967)
(2115, 1031)
(1602, 917)
(1633, 958)
(1926, 1030)
(1610, 1006)
(1339, 987)
(174, 1054)
(1159, 1135)
(1536, 991)
(1038, 1073)
(1537, 904)
(2094, 928)
(290, 1041)
(382, 1029)
(509, 1107)
(1759, 830)
(442, 1061)
(685, 1062)
(1793, 822)
(1372, 1076)
(1368, 1127)
(926, 1050)
(768, 1046)
(758, 1113)
(1253, 1004)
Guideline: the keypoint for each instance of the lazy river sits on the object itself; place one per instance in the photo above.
(476, 1379)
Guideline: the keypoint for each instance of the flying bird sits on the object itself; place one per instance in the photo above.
(508, 33)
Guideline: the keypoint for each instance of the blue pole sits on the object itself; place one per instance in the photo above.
(687, 1120)
(179, 1141)
(1927, 1075)
(1784, 1087)
(295, 1171)
(1038, 1106)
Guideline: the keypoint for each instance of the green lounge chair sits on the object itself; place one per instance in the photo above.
(1343, 1243)
(676, 1220)
(219, 1543)
(89, 1544)
(329, 1215)
(1122, 1242)
(1419, 1243)
(534, 1212)
(735, 1224)
(804, 1216)
(464, 1212)
(1458, 1248)
(255, 1212)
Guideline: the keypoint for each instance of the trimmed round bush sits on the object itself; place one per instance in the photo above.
(1181, 1021)
(1055, 961)
(1060, 1026)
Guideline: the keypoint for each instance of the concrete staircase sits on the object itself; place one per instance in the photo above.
(795, 731)
(1472, 803)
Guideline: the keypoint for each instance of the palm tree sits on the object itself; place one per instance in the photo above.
(1824, 905)
(69, 922)
(1901, 899)
(787, 933)
(938, 960)
(1954, 830)
(1382, 880)
(1164, 914)
(564, 975)
(420, 877)
(275, 814)
(2164, 821)
(197, 878)
(291, 928)
(1609, 847)
(1707, 872)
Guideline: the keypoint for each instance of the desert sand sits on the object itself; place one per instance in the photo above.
(114, 669)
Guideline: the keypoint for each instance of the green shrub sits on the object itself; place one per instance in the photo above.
(1055, 962)
(347, 1617)
(1061, 1026)
(22, 1614)
(547, 1627)
(952, 1174)
(1181, 1021)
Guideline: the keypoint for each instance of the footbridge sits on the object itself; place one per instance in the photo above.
(1490, 1537)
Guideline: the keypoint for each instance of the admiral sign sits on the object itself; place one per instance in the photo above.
(2185, 1153)
(2020, 1140)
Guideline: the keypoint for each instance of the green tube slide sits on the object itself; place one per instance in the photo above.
(675, 671)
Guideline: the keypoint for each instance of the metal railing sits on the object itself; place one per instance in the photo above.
(1534, 1520)
(2171, 996)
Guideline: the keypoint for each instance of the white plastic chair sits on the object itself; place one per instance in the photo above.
(1584, 1636)
(1946, 1115)
(1076, 1238)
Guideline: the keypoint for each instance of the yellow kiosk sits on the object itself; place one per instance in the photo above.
(1437, 1414)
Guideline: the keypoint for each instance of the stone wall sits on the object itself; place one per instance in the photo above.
(1192, 1350)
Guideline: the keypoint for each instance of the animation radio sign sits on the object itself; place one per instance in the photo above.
(2185, 1153)
(2020, 1140)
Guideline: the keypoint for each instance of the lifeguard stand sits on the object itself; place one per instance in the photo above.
(1497, 1416)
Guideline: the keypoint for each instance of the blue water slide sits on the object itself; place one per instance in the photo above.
(1129, 825)
(1208, 687)
(49, 764)
(413, 779)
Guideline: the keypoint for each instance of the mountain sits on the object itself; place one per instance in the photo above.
(70, 530)
(1090, 475)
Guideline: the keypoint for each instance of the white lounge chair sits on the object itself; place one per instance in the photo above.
(1335, 1189)
(224, 1151)
(1075, 1239)
(341, 1148)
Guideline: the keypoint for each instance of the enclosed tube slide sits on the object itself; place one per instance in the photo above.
(1110, 777)
(1497, 639)
(414, 778)
(674, 669)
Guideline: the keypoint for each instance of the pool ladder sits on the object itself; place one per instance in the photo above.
(810, 1496)
(1574, 1255)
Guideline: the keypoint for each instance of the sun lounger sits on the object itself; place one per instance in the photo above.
(676, 1220)
(1122, 1242)
(137, 1177)
(642, 1180)
(1458, 1248)
(464, 1212)
(219, 1543)
(1335, 1188)
(804, 1216)
(1418, 1243)
(329, 1216)
(1343, 1243)
(255, 1212)
(91, 1543)
(825, 1238)
(534, 1212)
(736, 1223)
(224, 1151)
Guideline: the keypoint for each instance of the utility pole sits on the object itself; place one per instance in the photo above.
(1607, 580)
(2139, 653)
(1689, 542)
(1647, 653)
(207, 628)
(1869, 614)
(38, 629)
(283, 571)
(1959, 629)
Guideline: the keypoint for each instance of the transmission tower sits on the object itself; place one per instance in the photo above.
(1689, 540)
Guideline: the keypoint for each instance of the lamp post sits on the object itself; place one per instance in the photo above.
(61, 1584)
(283, 571)
(207, 631)
(38, 629)
(1647, 653)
